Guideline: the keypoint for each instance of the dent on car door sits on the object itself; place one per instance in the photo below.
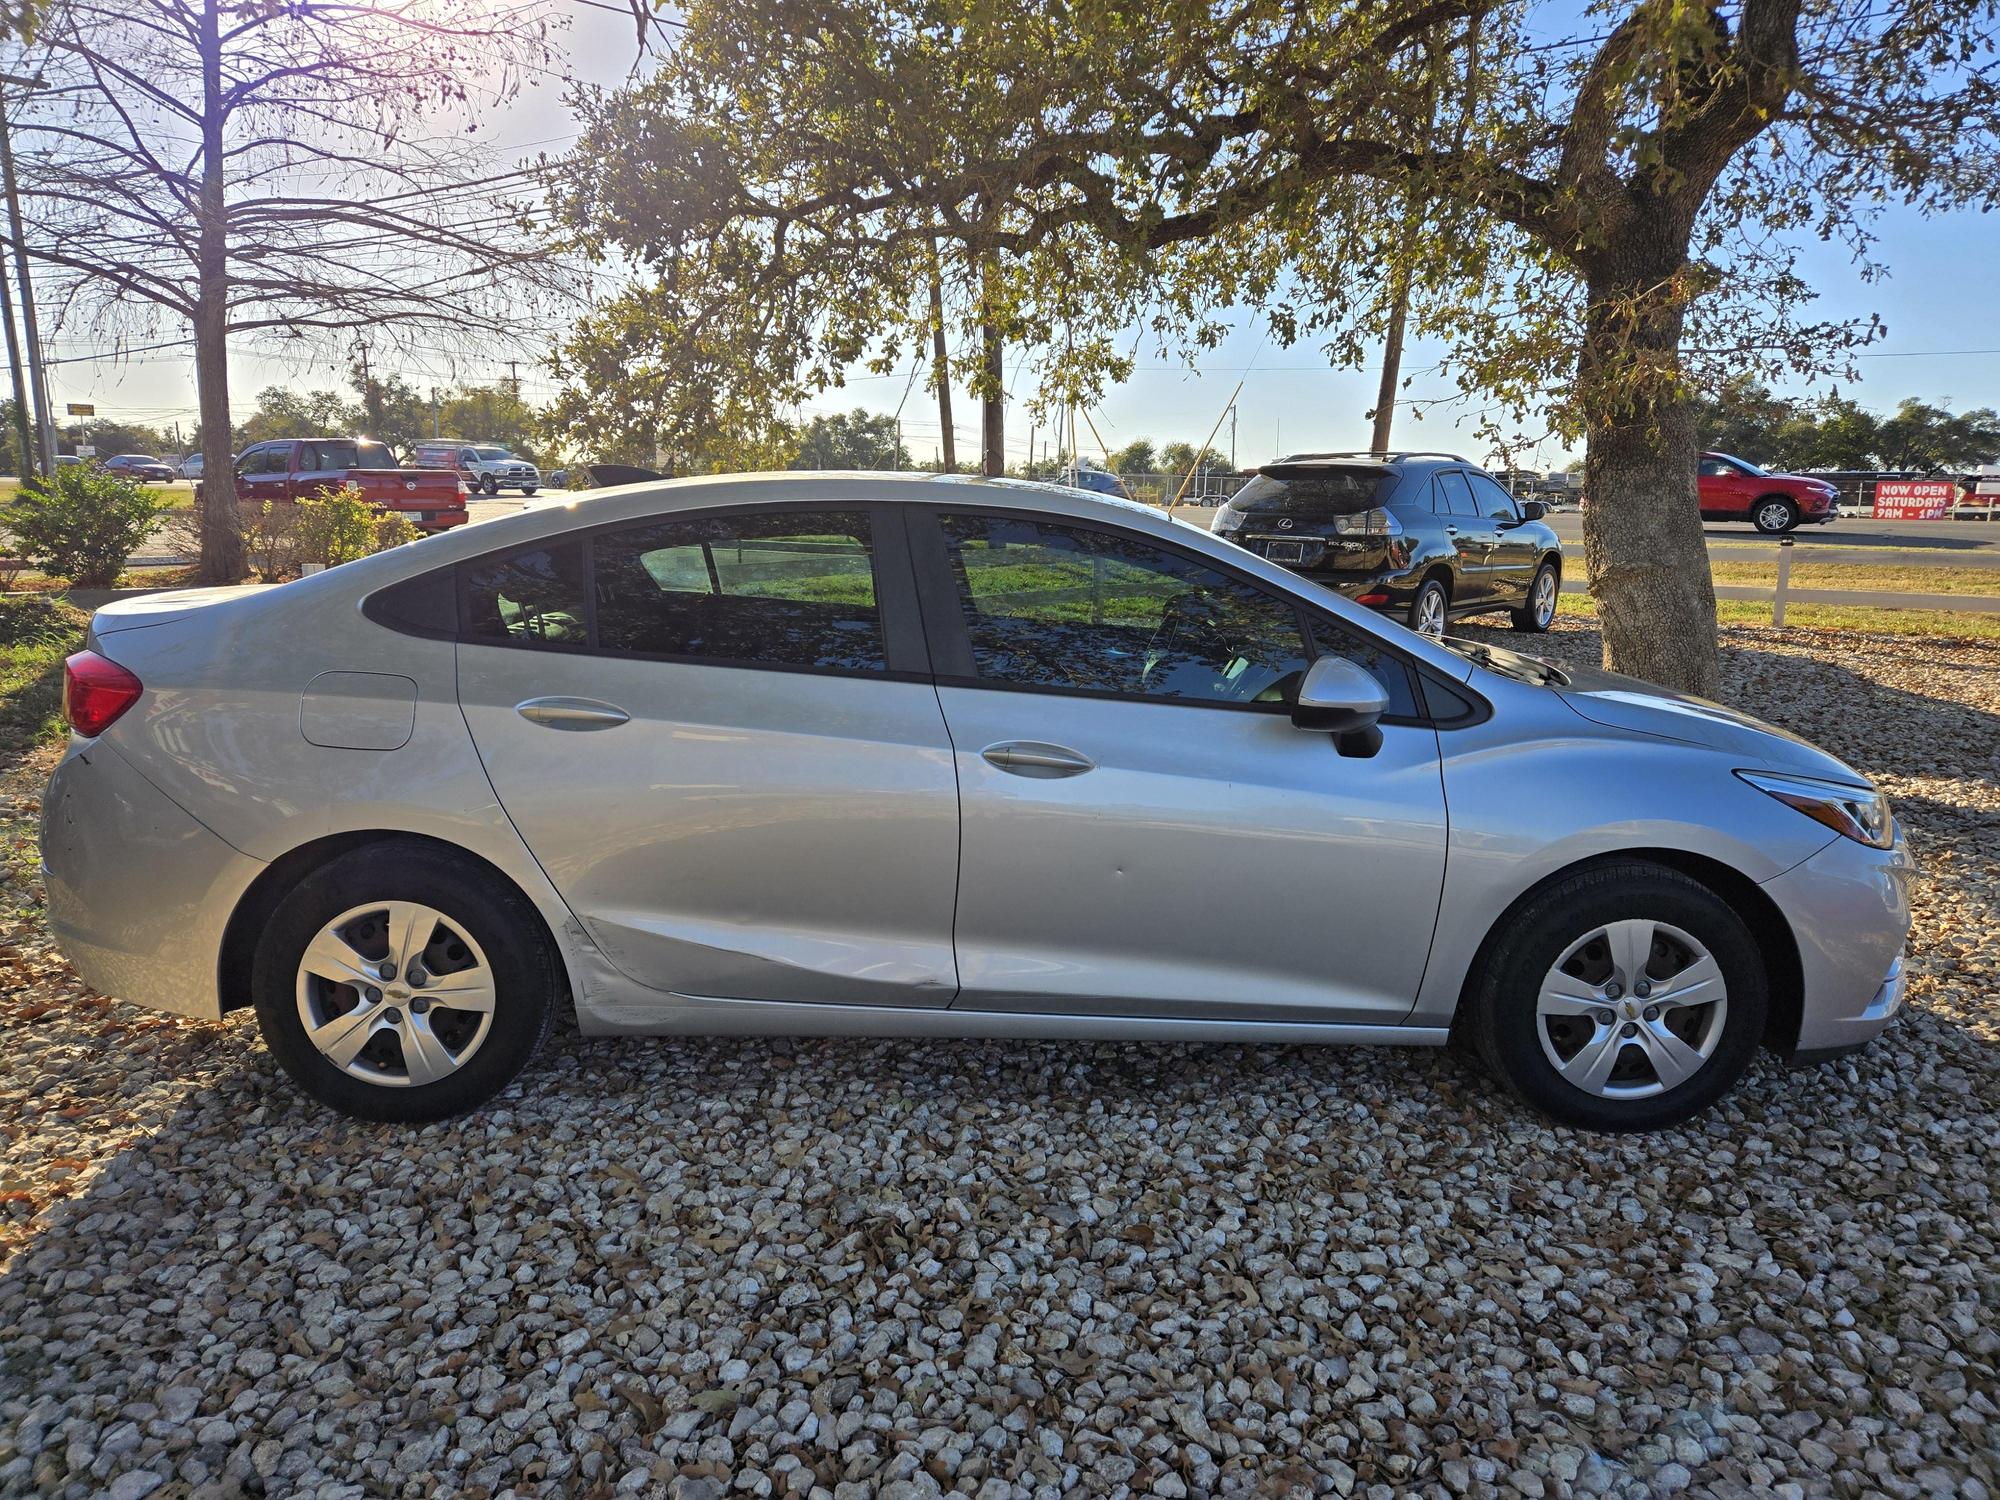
(717, 733)
(1144, 832)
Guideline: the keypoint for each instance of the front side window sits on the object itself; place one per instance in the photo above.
(534, 598)
(786, 588)
(1494, 502)
(1718, 468)
(1053, 606)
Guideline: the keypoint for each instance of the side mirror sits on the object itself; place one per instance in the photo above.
(1533, 510)
(1338, 696)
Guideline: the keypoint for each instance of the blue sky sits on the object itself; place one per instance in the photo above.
(1939, 302)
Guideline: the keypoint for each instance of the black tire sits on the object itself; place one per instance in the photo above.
(1531, 616)
(1765, 515)
(489, 486)
(1432, 593)
(528, 489)
(1501, 1018)
(527, 975)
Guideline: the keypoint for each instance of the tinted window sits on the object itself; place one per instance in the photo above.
(533, 598)
(791, 588)
(1068, 607)
(1718, 468)
(1316, 489)
(1494, 502)
(1454, 496)
(274, 458)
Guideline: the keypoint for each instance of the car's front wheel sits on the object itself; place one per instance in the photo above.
(489, 485)
(528, 489)
(1627, 996)
(1538, 610)
(399, 982)
(1774, 516)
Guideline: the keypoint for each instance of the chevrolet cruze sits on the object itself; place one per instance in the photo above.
(879, 755)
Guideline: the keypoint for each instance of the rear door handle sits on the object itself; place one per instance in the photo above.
(572, 713)
(1034, 758)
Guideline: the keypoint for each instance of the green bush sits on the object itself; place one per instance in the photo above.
(394, 529)
(81, 523)
(335, 528)
(38, 620)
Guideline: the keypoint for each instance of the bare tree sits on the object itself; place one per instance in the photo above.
(259, 174)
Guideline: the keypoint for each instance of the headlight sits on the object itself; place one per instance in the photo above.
(1855, 812)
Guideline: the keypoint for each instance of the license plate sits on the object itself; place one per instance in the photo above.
(1285, 552)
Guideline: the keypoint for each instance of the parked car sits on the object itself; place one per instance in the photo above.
(1089, 477)
(140, 466)
(1734, 489)
(191, 466)
(487, 469)
(1427, 537)
(911, 755)
(291, 469)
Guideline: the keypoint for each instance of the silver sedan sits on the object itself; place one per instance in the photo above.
(868, 754)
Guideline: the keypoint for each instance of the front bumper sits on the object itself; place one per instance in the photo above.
(1849, 910)
(138, 891)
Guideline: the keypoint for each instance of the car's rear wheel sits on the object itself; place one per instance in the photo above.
(401, 983)
(1430, 609)
(1774, 515)
(1539, 610)
(1624, 997)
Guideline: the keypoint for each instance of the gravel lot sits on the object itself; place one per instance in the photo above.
(900, 1268)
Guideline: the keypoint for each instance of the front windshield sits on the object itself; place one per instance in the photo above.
(492, 453)
(1529, 669)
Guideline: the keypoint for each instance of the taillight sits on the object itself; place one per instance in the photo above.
(1376, 522)
(95, 692)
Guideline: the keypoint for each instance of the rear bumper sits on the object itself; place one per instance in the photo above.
(438, 520)
(1849, 909)
(138, 892)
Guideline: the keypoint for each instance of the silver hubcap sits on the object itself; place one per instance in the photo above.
(395, 993)
(1773, 517)
(1632, 1009)
(1430, 613)
(1544, 601)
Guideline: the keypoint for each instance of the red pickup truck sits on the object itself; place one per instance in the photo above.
(299, 467)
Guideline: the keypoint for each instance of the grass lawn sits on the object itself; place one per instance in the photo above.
(36, 633)
(1917, 622)
(1886, 578)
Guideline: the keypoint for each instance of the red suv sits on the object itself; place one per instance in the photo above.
(1734, 489)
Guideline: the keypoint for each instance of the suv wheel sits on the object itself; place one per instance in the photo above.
(398, 983)
(1625, 997)
(1430, 609)
(1538, 612)
(1774, 515)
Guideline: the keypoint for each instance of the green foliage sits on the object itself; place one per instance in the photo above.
(490, 414)
(112, 438)
(38, 620)
(856, 440)
(81, 523)
(1746, 419)
(335, 528)
(1136, 457)
(285, 413)
(394, 529)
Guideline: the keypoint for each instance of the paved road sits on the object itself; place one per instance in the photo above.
(1958, 544)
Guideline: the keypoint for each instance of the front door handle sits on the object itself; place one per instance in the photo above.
(1034, 758)
(1451, 531)
(572, 713)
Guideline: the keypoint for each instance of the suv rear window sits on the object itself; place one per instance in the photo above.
(1318, 489)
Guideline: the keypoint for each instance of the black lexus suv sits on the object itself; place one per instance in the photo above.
(1425, 536)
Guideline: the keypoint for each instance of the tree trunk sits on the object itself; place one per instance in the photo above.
(221, 535)
(1647, 560)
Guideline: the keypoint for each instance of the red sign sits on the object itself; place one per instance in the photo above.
(1914, 499)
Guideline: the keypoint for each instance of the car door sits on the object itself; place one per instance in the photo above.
(1514, 552)
(716, 731)
(1472, 535)
(264, 473)
(1143, 830)
(1725, 489)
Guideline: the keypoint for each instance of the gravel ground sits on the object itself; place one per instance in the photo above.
(899, 1268)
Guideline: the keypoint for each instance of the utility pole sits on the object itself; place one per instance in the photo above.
(513, 379)
(24, 441)
(940, 361)
(1232, 437)
(1392, 362)
(38, 375)
(370, 407)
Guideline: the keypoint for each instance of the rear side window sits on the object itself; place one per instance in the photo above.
(272, 459)
(1453, 495)
(787, 588)
(535, 598)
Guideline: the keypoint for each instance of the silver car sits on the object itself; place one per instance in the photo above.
(870, 754)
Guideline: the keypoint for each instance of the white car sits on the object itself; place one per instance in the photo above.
(881, 754)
